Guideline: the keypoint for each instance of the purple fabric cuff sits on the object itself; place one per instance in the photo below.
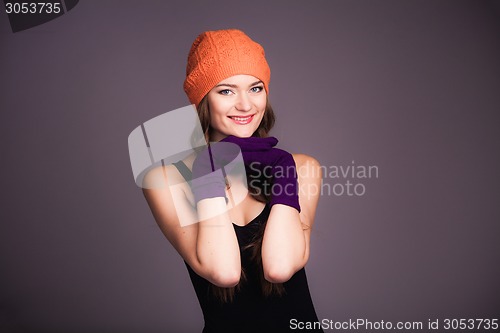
(211, 185)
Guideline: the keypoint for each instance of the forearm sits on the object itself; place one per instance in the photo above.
(217, 247)
(283, 245)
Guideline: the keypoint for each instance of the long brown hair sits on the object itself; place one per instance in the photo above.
(255, 246)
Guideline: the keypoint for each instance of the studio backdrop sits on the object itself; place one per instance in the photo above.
(398, 100)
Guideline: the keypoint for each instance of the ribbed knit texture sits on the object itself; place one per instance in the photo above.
(217, 55)
(259, 154)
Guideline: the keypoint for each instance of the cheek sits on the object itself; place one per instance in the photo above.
(217, 118)
(262, 106)
(219, 107)
(216, 108)
(262, 101)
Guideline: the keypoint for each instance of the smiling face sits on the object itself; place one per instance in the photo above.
(237, 105)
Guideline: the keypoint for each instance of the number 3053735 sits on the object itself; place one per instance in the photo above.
(33, 8)
(471, 324)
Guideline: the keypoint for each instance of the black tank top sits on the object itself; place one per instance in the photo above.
(250, 310)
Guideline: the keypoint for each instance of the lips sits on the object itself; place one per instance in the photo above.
(242, 120)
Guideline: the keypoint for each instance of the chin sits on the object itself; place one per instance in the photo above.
(243, 134)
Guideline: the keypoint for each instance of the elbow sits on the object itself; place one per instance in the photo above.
(280, 270)
(226, 278)
(278, 273)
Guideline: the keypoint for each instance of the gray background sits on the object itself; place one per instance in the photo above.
(412, 87)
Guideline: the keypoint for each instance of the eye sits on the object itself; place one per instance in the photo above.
(225, 92)
(256, 89)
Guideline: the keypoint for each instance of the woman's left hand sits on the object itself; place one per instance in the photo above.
(261, 157)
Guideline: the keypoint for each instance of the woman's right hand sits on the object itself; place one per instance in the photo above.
(208, 179)
(261, 157)
(210, 169)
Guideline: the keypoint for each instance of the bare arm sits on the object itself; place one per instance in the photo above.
(217, 246)
(210, 247)
(286, 242)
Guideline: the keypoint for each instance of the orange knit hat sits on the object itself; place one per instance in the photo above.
(217, 55)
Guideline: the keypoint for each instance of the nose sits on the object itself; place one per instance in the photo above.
(243, 103)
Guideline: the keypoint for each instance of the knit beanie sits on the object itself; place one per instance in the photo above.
(217, 55)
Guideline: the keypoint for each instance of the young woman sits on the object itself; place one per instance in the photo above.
(246, 261)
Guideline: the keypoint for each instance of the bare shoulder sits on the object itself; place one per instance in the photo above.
(304, 159)
(309, 179)
(157, 178)
(308, 168)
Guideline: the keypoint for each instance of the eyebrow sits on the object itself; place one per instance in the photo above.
(235, 85)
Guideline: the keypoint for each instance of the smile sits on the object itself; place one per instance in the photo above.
(242, 120)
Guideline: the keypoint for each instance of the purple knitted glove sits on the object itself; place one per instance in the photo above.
(260, 156)
(209, 172)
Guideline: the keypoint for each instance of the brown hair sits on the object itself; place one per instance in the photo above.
(255, 246)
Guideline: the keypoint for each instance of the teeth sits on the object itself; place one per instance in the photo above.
(240, 118)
